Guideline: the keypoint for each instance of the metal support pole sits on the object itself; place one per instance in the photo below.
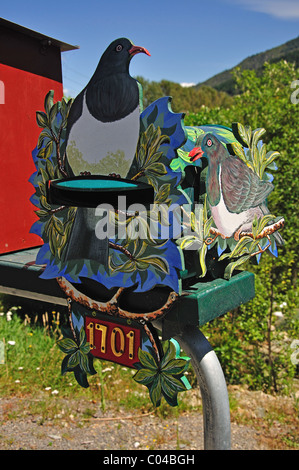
(216, 411)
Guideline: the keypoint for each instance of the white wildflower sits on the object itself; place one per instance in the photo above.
(8, 315)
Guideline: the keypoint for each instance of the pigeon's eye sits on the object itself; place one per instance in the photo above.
(209, 143)
(119, 48)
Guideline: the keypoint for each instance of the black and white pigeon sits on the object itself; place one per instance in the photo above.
(103, 123)
(101, 137)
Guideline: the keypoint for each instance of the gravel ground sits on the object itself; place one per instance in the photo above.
(122, 430)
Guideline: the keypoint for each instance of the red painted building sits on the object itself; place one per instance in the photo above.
(30, 66)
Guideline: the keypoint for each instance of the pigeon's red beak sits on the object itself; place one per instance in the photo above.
(195, 154)
(137, 49)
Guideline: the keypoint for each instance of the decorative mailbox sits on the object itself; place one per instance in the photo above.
(134, 208)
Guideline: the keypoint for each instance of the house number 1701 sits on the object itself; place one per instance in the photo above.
(117, 343)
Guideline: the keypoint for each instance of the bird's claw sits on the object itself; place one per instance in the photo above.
(114, 175)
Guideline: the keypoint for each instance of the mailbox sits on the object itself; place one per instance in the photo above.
(30, 65)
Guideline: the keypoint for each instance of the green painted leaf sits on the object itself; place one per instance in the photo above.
(207, 227)
(230, 268)
(170, 353)
(240, 134)
(83, 361)
(41, 213)
(256, 136)
(48, 103)
(127, 267)
(238, 150)
(52, 242)
(157, 168)
(53, 112)
(155, 391)
(49, 149)
(157, 262)
(58, 225)
(141, 265)
(85, 348)
(256, 159)
(163, 193)
(188, 241)
(64, 365)
(175, 366)
(42, 188)
(74, 360)
(147, 360)
(248, 135)
(144, 376)
(255, 226)
(202, 259)
(172, 383)
(240, 246)
(81, 377)
(41, 119)
(82, 337)
(269, 158)
(67, 345)
(264, 221)
(45, 134)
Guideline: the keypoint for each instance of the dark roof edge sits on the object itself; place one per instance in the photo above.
(64, 47)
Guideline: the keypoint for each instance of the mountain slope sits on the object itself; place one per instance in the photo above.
(224, 81)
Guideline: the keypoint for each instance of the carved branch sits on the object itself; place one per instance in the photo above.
(111, 307)
(126, 252)
(152, 340)
(268, 230)
(58, 209)
(57, 143)
(138, 175)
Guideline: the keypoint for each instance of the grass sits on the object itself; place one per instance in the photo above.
(30, 373)
(32, 363)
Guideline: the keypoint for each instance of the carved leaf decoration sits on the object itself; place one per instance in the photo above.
(78, 358)
(256, 157)
(164, 378)
(41, 119)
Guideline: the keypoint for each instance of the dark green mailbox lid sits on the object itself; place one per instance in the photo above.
(205, 301)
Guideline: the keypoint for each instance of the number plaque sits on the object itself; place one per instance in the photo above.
(113, 341)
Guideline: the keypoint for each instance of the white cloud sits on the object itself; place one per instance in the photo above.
(283, 9)
(186, 85)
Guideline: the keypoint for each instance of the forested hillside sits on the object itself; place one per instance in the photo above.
(217, 91)
(225, 80)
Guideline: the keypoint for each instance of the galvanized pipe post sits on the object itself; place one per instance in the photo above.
(216, 411)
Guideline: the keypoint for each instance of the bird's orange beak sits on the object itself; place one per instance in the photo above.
(195, 154)
(137, 49)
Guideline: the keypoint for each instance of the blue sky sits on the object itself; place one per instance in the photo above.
(189, 40)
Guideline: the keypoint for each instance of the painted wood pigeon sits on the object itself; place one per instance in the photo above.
(235, 193)
(103, 123)
(101, 137)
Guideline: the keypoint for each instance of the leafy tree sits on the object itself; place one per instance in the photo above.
(185, 99)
